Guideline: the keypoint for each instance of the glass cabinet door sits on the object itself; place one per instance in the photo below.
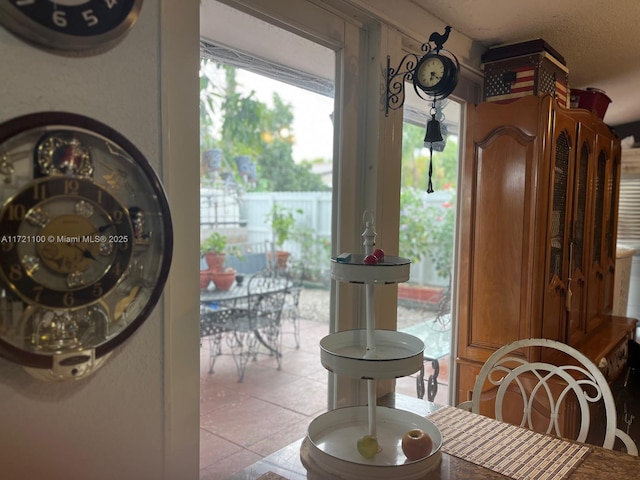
(595, 296)
(556, 278)
(576, 297)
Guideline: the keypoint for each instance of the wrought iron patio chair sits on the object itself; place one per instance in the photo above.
(252, 323)
(545, 397)
(291, 310)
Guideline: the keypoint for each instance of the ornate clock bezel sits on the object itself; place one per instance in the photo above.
(117, 150)
(44, 23)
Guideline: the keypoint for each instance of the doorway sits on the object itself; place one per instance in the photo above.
(279, 119)
(427, 237)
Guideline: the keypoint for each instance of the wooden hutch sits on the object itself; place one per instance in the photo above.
(538, 234)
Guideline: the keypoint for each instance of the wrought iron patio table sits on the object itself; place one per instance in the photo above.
(246, 317)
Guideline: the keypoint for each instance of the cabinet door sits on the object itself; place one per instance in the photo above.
(498, 223)
(595, 280)
(611, 227)
(576, 296)
(558, 227)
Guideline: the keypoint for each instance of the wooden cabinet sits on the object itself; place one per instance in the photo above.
(538, 230)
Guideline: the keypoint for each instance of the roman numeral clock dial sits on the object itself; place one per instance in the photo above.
(85, 243)
(70, 26)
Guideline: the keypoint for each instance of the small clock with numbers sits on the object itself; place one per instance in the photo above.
(85, 244)
(72, 26)
(436, 75)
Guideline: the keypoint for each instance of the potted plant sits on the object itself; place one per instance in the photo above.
(223, 279)
(213, 249)
(282, 220)
(205, 279)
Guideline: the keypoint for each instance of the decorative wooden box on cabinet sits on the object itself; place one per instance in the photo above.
(538, 232)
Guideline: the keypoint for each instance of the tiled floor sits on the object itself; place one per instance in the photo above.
(242, 422)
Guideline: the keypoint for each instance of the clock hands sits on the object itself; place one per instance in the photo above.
(86, 253)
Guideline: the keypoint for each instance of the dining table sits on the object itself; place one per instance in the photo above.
(585, 462)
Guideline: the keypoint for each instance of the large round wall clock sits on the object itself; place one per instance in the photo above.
(70, 25)
(85, 244)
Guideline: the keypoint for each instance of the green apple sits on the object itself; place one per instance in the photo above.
(368, 446)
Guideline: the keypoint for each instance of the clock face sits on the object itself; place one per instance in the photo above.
(86, 239)
(431, 72)
(70, 256)
(436, 75)
(70, 25)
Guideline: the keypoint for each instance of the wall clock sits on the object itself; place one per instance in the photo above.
(70, 26)
(85, 245)
(436, 75)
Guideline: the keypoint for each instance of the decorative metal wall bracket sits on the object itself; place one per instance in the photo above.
(396, 78)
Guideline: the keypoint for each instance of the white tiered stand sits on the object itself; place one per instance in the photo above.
(330, 448)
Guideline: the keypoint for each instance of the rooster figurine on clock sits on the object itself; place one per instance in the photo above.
(434, 77)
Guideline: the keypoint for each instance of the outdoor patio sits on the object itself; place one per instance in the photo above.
(240, 423)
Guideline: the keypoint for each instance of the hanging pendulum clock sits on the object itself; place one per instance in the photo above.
(434, 77)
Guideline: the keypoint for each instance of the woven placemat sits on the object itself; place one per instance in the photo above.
(516, 452)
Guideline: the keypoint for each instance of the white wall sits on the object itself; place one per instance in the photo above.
(137, 417)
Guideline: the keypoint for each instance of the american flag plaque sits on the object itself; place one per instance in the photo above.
(529, 68)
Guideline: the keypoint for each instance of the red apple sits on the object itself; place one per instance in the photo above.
(379, 254)
(370, 260)
(416, 444)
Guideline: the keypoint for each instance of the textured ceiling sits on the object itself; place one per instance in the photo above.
(600, 40)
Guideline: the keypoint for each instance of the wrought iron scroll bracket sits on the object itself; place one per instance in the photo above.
(395, 81)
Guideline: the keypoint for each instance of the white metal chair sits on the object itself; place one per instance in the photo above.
(547, 392)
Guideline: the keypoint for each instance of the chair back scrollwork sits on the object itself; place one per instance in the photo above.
(514, 387)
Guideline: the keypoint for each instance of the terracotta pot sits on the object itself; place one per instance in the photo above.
(281, 259)
(205, 278)
(223, 279)
(215, 261)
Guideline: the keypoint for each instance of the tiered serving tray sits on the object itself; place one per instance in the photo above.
(331, 445)
(330, 449)
(396, 355)
(390, 270)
